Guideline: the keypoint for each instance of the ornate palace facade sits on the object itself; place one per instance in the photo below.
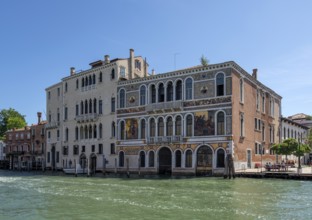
(187, 121)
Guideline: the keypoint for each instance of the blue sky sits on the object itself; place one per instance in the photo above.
(41, 40)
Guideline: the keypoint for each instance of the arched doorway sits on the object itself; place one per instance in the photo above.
(83, 162)
(165, 161)
(204, 161)
(93, 164)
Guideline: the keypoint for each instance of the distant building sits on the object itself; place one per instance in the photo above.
(18, 150)
(25, 147)
(2, 150)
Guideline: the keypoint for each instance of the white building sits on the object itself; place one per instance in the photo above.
(81, 113)
(2, 150)
(292, 129)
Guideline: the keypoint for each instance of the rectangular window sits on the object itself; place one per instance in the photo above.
(112, 146)
(263, 103)
(113, 104)
(100, 148)
(100, 107)
(65, 113)
(49, 95)
(263, 130)
(83, 149)
(57, 156)
(123, 72)
(93, 148)
(76, 150)
(77, 109)
(49, 134)
(48, 157)
(58, 92)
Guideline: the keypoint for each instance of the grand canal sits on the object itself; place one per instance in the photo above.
(26, 196)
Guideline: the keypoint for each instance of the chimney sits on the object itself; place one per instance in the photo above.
(254, 73)
(39, 117)
(72, 71)
(153, 72)
(145, 68)
(106, 59)
(131, 69)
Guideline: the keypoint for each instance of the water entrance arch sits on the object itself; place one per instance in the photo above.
(165, 161)
(204, 160)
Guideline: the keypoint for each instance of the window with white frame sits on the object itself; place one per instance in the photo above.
(242, 125)
(122, 72)
(241, 90)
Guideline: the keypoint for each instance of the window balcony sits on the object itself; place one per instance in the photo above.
(164, 106)
(87, 118)
(52, 125)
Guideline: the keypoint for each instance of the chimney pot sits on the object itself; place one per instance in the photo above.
(72, 71)
(106, 59)
(254, 73)
(39, 117)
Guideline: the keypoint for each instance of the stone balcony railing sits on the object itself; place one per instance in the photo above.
(165, 106)
(87, 118)
(164, 139)
(52, 125)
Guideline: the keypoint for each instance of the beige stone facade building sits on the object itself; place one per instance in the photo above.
(81, 114)
(187, 121)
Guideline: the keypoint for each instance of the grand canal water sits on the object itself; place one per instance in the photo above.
(26, 196)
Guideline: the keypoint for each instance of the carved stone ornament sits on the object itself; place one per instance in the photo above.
(204, 89)
(132, 99)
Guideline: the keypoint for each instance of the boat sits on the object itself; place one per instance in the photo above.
(75, 170)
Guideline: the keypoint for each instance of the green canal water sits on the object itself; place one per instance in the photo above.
(25, 196)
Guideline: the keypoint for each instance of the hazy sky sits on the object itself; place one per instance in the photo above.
(41, 40)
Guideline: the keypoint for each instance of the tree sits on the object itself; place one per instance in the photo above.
(9, 119)
(300, 151)
(287, 147)
(204, 61)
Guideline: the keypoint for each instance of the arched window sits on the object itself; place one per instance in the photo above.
(101, 77)
(100, 131)
(220, 158)
(284, 133)
(242, 133)
(178, 125)
(153, 94)
(241, 90)
(82, 82)
(178, 89)
(86, 107)
(122, 98)
(76, 133)
(160, 127)
(81, 107)
(142, 159)
(94, 105)
(66, 87)
(220, 123)
(169, 126)
(81, 132)
(142, 95)
(169, 92)
(188, 158)
(121, 159)
(113, 129)
(93, 79)
(188, 89)
(113, 74)
(178, 158)
(152, 127)
(161, 92)
(77, 84)
(66, 134)
(90, 80)
(142, 129)
(86, 81)
(220, 84)
(122, 130)
(189, 125)
(151, 159)
(90, 106)
(94, 131)
(90, 132)
(86, 132)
